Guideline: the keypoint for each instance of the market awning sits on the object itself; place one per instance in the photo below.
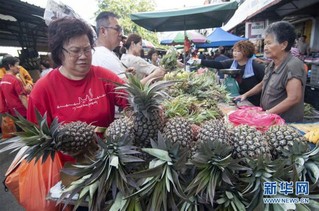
(219, 37)
(247, 10)
(175, 38)
(208, 16)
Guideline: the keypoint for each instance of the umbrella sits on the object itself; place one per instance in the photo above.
(178, 38)
(207, 16)
(147, 44)
(219, 37)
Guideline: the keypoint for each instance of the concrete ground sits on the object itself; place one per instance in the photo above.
(7, 200)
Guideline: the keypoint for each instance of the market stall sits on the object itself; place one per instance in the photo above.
(219, 37)
(184, 144)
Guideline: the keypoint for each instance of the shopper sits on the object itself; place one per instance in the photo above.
(144, 70)
(282, 89)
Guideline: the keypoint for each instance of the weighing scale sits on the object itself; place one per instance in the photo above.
(230, 81)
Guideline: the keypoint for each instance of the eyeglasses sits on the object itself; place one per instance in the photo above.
(116, 28)
(77, 52)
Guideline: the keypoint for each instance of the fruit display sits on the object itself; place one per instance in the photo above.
(169, 152)
(194, 96)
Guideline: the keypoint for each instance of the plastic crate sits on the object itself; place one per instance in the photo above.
(314, 79)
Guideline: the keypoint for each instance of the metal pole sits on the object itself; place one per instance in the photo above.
(184, 44)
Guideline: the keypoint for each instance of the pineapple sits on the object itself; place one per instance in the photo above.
(43, 140)
(215, 168)
(105, 177)
(74, 137)
(169, 60)
(160, 187)
(119, 128)
(214, 130)
(36, 137)
(147, 126)
(281, 137)
(249, 142)
(145, 100)
(179, 129)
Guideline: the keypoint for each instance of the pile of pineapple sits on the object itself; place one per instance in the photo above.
(151, 159)
(194, 96)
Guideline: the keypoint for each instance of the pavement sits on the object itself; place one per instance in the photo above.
(7, 200)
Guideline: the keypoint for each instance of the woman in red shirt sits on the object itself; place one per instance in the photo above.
(75, 90)
(13, 95)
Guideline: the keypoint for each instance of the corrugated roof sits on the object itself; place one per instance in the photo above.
(29, 30)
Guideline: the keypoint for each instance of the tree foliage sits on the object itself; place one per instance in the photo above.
(124, 9)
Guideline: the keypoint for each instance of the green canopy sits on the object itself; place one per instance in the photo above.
(208, 16)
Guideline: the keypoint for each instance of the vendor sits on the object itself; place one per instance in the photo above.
(251, 72)
(282, 89)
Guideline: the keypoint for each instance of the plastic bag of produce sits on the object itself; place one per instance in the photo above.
(256, 117)
(25, 178)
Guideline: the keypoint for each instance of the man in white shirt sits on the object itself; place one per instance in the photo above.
(109, 36)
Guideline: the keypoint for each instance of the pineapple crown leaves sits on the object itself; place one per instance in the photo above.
(169, 60)
(229, 198)
(298, 149)
(121, 147)
(144, 97)
(302, 163)
(106, 173)
(164, 153)
(161, 180)
(179, 106)
(123, 203)
(177, 154)
(262, 169)
(161, 184)
(38, 137)
(216, 167)
(213, 153)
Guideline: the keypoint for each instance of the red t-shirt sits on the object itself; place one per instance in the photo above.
(11, 88)
(91, 100)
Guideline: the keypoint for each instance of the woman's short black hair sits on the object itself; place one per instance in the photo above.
(61, 31)
(151, 52)
(9, 60)
(282, 31)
